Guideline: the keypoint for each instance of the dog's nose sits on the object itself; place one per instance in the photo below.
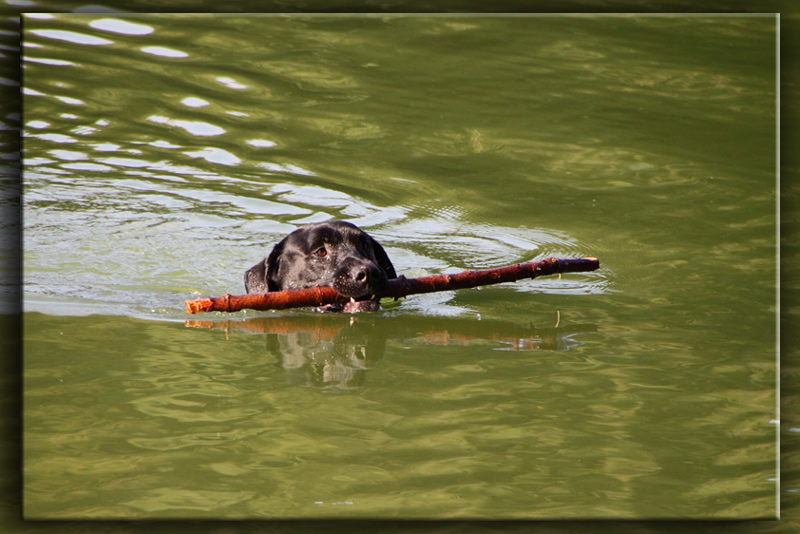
(363, 274)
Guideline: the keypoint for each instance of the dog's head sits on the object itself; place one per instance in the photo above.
(336, 254)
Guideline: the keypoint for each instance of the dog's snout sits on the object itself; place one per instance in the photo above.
(359, 279)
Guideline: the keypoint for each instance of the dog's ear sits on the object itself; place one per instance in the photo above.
(261, 277)
(272, 263)
(255, 280)
(383, 259)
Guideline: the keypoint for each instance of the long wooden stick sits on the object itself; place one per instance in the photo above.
(399, 287)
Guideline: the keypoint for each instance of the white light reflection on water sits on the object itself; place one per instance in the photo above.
(198, 128)
(194, 102)
(164, 52)
(230, 83)
(121, 26)
(72, 37)
(215, 155)
(46, 61)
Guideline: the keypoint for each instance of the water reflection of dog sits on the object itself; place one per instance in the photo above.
(333, 351)
(327, 357)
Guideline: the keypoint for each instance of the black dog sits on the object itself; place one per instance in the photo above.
(336, 254)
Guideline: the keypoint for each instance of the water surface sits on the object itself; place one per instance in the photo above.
(165, 154)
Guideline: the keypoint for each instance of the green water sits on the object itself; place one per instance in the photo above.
(163, 156)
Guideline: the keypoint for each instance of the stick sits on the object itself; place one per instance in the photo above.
(399, 287)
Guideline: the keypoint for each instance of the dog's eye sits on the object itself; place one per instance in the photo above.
(320, 252)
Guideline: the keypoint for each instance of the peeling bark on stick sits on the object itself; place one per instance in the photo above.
(400, 287)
